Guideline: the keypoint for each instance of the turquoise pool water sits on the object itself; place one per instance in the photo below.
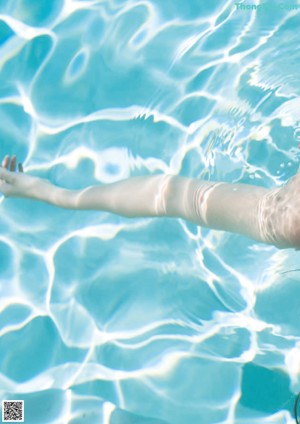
(109, 320)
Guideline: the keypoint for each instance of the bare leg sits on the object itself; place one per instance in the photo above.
(270, 216)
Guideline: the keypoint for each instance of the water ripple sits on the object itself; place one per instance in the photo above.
(108, 319)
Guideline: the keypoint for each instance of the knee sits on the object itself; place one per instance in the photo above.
(280, 217)
(289, 202)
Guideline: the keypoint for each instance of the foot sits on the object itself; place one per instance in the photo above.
(13, 183)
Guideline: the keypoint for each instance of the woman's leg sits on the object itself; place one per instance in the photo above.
(270, 216)
(158, 195)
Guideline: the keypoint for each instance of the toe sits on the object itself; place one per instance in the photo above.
(13, 163)
(5, 162)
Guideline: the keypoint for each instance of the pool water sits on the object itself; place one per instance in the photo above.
(110, 320)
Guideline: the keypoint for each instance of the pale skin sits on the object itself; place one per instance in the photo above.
(270, 216)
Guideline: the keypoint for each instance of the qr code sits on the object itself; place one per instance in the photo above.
(13, 411)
